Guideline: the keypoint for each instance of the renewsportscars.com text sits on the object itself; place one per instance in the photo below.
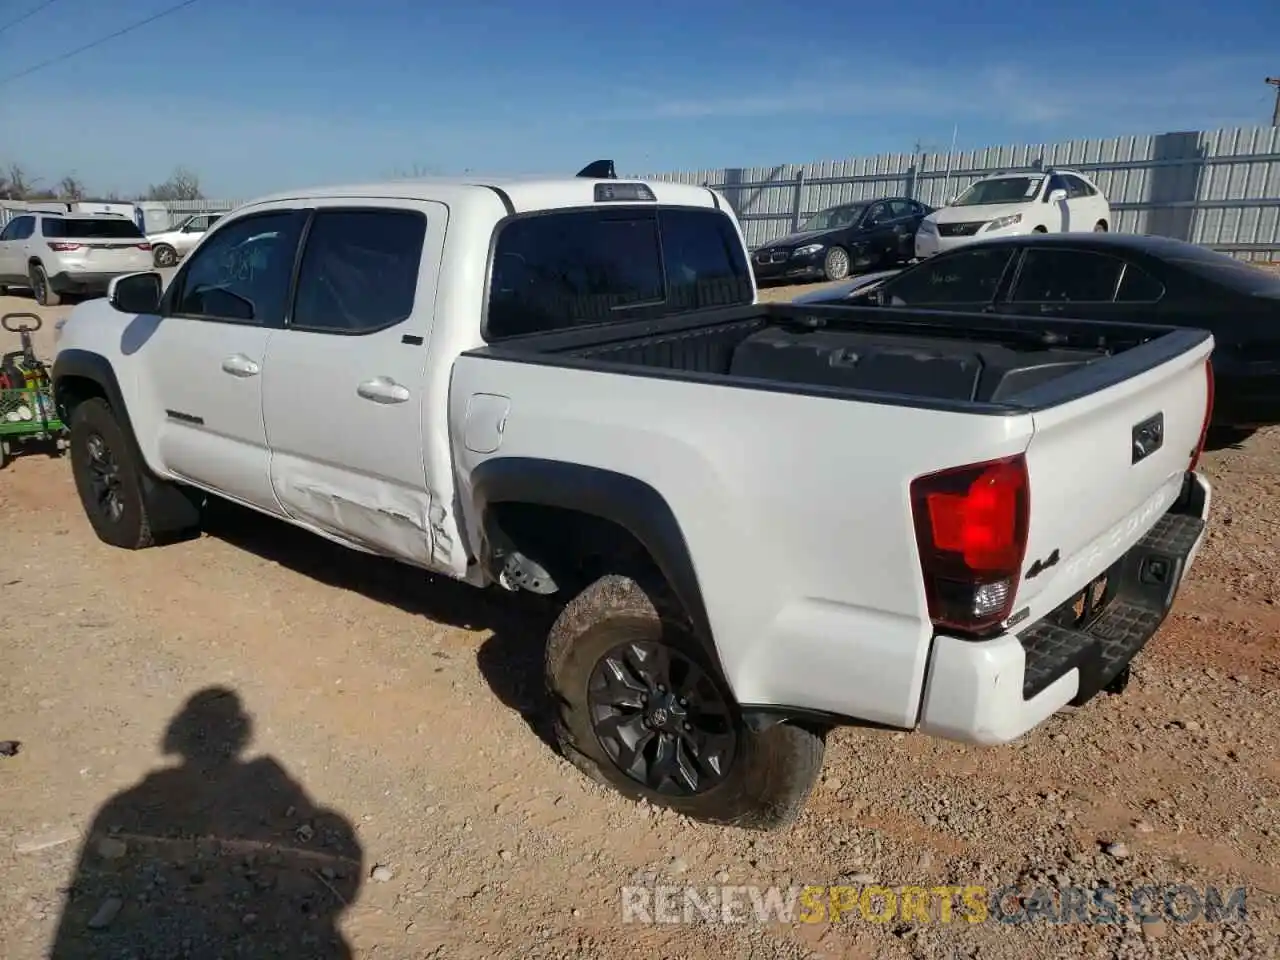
(1173, 903)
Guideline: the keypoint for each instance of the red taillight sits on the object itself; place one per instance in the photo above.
(971, 530)
(1208, 414)
(64, 247)
(144, 246)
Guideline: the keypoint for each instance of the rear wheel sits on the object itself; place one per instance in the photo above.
(45, 295)
(641, 708)
(835, 266)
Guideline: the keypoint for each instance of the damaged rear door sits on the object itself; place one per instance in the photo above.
(343, 397)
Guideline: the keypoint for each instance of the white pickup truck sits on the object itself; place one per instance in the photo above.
(763, 520)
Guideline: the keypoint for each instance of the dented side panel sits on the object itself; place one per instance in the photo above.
(347, 417)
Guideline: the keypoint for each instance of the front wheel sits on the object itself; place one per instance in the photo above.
(642, 709)
(107, 477)
(164, 255)
(835, 266)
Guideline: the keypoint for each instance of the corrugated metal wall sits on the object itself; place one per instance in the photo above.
(1220, 188)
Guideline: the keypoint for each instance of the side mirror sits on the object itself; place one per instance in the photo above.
(1057, 196)
(136, 292)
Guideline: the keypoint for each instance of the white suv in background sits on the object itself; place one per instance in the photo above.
(171, 245)
(1008, 204)
(55, 254)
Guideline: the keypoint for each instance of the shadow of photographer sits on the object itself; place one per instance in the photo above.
(216, 857)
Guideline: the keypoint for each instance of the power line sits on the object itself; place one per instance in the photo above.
(97, 43)
(28, 15)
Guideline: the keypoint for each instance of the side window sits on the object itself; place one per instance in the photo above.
(9, 230)
(879, 213)
(23, 227)
(242, 274)
(1067, 276)
(706, 266)
(902, 209)
(1056, 182)
(196, 225)
(1077, 187)
(359, 270)
(968, 276)
(1138, 286)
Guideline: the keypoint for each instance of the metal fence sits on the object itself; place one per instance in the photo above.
(1219, 188)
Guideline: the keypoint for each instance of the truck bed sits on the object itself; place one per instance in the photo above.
(783, 442)
(940, 359)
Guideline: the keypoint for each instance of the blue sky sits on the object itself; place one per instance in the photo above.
(258, 95)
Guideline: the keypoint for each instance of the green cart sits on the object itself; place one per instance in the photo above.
(27, 412)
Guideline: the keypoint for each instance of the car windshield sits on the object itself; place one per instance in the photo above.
(89, 229)
(1000, 190)
(834, 218)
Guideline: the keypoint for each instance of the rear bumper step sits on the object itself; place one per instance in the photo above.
(993, 691)
(1142, 586)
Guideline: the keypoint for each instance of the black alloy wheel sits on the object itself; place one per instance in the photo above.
(661, 718)
(104, 478)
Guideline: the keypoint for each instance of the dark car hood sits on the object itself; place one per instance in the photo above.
(798, 239)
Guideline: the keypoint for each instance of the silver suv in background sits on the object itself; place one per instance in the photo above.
(171, 245)
(57, 254)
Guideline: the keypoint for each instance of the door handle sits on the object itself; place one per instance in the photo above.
(239, 365)
(383, 390)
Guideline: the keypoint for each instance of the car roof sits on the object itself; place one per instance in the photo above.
(524, 194)
(1132, 242)
(75, 215)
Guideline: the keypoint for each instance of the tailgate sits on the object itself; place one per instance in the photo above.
(1104, 467)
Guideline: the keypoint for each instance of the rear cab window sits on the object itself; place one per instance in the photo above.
(87, 228)
(579, 267)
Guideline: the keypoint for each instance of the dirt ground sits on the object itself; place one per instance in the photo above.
(394, 789)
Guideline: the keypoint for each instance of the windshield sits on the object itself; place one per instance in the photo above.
(835, 218)
(1001, 190)
(86, 229)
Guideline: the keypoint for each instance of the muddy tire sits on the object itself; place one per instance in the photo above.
(108, 477)
(641, 707)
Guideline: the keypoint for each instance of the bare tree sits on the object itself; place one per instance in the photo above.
(69, 188)
(182, 185)
(416, 172)
(17, 185)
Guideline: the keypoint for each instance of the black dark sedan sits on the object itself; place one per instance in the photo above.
(869, 234)
(1113, 276)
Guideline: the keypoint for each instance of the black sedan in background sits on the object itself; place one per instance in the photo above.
(845, 239)
(1112, 276)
